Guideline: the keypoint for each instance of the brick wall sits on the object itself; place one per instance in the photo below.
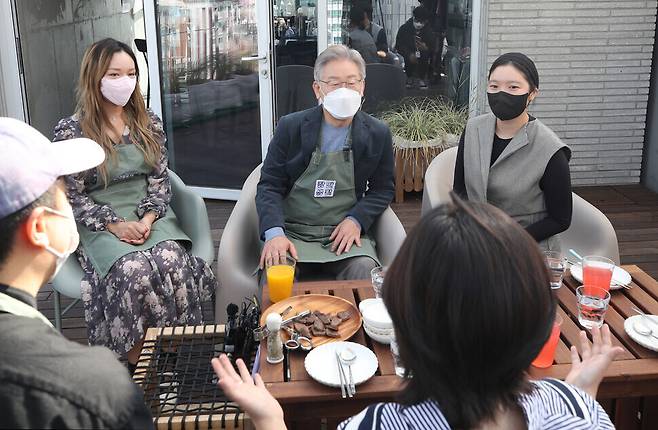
(594, 62)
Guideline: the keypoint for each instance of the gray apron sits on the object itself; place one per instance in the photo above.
(318, 201)
(104, 248)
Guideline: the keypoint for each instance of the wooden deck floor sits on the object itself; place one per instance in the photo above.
(632, 209)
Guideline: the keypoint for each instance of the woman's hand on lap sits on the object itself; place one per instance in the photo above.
(132, 232)
(250, 393)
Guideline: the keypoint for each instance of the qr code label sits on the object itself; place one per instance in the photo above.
(324, 188)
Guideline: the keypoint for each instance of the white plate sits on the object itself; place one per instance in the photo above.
(619, 276)
(321, 364)
(646, 341)
(385, 339)
(375, 314)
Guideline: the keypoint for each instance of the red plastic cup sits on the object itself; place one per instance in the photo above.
(547, 353)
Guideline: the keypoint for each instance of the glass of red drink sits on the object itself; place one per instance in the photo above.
(597, 272)
(547, 353)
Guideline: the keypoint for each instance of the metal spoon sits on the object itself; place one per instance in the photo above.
(348, 357)
(648, 330)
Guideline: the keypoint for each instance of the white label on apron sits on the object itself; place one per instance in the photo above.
(324, 188)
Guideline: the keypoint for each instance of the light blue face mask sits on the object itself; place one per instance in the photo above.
(73, 243)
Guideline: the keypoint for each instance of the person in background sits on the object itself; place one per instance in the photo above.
(361, 40)
(376, 31)
(327, 176)
(47, 381)
(512, 160)
(138, 272)
(468, 329)
(415, 42)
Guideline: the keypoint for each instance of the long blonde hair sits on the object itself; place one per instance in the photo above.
(94, 123)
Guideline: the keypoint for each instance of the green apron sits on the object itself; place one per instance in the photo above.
(16, 307)
(104, 248)
(318, 201)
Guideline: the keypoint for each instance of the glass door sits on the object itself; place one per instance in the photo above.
(216, 90)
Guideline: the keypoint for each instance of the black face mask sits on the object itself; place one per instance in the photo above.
(507, 106)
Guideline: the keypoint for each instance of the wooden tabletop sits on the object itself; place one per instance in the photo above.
(633, 374)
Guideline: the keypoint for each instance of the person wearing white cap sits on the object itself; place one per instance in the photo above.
(138, 272)
(46, 380)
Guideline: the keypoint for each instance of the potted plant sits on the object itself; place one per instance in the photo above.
(453, 120)
(418, 136)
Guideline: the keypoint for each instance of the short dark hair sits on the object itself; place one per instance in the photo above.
(469, 297)
(421, 14)
(10, 224)
(357, 15)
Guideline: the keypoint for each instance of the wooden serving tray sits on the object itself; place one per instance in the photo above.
(323, 303)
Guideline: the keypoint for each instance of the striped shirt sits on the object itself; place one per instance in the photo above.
(552, 405)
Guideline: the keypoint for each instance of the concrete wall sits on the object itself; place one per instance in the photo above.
(594, 60)
(54, 35)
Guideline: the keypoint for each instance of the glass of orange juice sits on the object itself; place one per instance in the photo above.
(280, 276)
(547, 353)
(597, 272)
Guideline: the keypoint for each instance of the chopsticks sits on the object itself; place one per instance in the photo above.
(344, 385)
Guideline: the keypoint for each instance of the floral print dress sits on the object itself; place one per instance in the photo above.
(163, 286)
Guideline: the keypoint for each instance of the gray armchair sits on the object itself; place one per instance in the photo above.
(193, 218)
(239, 249)
(590, 233)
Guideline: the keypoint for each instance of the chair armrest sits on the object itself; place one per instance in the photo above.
(389, 234)
(69, 277)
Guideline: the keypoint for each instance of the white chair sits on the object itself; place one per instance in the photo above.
(239, 248)
(590, 232)
(192, 215)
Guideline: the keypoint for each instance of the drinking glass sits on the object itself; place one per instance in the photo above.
(597, 271)
(547, 353)
(280, 276)
(397, 361)
(377, 275)
(556, 264)
(592, 303)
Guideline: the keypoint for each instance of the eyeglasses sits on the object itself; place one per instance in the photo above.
(351, 84)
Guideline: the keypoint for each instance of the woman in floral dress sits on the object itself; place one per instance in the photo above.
(138, 272)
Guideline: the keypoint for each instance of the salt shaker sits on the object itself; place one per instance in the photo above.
(274, 342)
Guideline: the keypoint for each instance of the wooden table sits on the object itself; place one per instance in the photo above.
(629, 391)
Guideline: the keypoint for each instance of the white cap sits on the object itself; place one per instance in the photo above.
(30, 163)
(273, 321)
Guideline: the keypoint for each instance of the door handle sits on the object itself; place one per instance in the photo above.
(254, 58)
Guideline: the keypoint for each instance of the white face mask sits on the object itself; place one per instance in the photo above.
(342, 103)
(118, 90)
(73, 242)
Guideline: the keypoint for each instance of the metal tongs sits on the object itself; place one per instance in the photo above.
(262, 332)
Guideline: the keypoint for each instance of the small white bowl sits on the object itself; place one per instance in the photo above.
(376, 337)
(375, 314)
(378, 331)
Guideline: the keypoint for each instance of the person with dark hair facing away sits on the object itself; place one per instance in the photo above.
(467, 330)
(47, 381)
(360, 39)
(512, 160)
(415, 42)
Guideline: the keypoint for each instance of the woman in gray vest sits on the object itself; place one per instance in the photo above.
(512, 160)
(137, 270)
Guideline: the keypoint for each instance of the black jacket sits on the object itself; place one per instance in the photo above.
(405, 41)
(47, 381)
(289, 154)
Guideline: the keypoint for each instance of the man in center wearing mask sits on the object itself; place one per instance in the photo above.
(327, 176)
(47, 381)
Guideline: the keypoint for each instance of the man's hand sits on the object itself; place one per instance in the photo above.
(345, 235)
(129, 231)
(587, 373)
(249, 393)
(276, 249)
